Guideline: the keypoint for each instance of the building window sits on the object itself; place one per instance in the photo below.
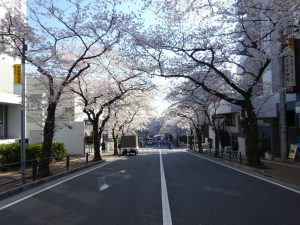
(230, 120)
(69, 114)
(34, 102)
(3, 121)
(290, 118)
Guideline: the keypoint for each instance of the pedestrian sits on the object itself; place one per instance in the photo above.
(235, 148)
(103, 147)
(170, 145)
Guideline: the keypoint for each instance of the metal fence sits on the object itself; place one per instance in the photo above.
(229, 155)
(11, 175)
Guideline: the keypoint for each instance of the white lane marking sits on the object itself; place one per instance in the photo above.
(103, 187)
(250, 174)
(51, 186)
(167, 219)
(118, 177)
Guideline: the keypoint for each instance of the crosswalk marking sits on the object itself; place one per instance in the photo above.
(158, 150)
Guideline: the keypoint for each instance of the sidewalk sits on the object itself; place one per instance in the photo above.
(288, 172)
(284, 171)
(12, 179)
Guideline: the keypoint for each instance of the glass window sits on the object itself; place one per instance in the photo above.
(230, 120)
(69, 113)
(34, 102)
(290, 118)
(3, 121)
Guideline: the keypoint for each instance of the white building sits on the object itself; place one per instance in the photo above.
(10, 99)
(70, 124)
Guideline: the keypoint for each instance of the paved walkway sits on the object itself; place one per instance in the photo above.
(284, 171)
(288, 171)
(12, 178)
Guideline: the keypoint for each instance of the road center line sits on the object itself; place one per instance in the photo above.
(167, 220)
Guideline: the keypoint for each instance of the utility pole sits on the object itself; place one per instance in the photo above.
(282, 99)
(23, 130)
(282, 112)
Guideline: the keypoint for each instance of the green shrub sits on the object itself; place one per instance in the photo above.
(58, 150)
(33, 151)
(10, 153)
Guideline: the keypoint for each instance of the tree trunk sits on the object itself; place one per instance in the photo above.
(115, 139)
(249, 125)
(216, 131)
(101, 129)
(199, 138)
(96, 141)
(48, 133)
(116, 150)
(191, 140)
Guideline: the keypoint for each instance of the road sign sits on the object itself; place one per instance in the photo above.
(17, 74)
(293, 151)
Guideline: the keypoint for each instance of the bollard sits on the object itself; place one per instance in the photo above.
(68, 162)
(34, 169)
(86, 158)
(241, 160)
(230, 156)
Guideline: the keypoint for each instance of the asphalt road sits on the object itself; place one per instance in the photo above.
(131, 191)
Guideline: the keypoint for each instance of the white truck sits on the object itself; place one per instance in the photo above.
(129, 144)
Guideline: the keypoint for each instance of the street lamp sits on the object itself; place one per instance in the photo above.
(23, 144)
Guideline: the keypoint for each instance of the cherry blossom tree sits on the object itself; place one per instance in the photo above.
(193, 114)
(202, 104)
(98, 95)
(62, 40)
(129, 116)
(223, 47)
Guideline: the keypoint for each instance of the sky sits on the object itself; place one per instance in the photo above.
(159, 103)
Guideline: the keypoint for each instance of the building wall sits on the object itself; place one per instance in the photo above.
(14, 121)
(72, 137)
(10, 93)
(37, 101)
(69, 118)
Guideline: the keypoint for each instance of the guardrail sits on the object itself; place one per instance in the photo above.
(230, 155)
(10, 174)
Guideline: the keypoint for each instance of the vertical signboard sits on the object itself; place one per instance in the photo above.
(289, 65)
(293, 151)
(17, 74)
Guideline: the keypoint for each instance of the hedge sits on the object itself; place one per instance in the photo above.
(10, 153)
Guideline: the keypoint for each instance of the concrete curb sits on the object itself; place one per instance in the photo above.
(25, 187)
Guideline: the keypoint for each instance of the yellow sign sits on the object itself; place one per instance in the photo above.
(293, 151)
(17, 74)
